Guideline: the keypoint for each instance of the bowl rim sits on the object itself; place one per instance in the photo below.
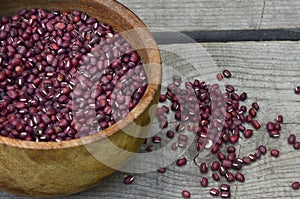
(138, 110)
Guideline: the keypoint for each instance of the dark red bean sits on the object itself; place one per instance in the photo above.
(227, 73)
(162, 170)
(270, 126)
(225, 187)
(234, 139)
(63, 123)
(255, 106)
(262, 149)
(230, 88)
(227, 163)
(181, 162)
(186, 194)
(215, 166)
(297, 145)
(215, 149)
(274, 133)
(216, 177)
(230, 177)
(222, 171)
(231, 149)
(237, 165)
(156, 139)
(296, 185)
(221, 156)
(231, 156)
(246, 160)
(204, 182)
(225, 194)
(170, 134)
(149, 148)
(243, 96)
(129, 179)
(277, 126)
(297, 90)
(20, 105)
(280, 118)
(45, 119)
(252, 112)
(214, 192)
(162, 98)
(203, 167)
(257, 154)
(219, 76)
(292, 139)
(256, 124)
(239, 177)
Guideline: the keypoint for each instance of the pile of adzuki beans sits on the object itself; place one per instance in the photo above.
(54, 65)
(213, 133)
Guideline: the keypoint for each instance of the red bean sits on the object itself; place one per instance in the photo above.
(149, 148)
(255, 106)
(252, 157)
(221, 156)
(204, 182)
(170, 134)
(225, 194)
(297, 90)
(252, 112)
(215, 166)
(219, 77)
(186, 194)
(262, 149)
(280, 118)
(129, 179)
(234, 138)
(246, 160)
(270, 126)
(162, 170)
(181, 162)
(227, 163)
(239, 177)
(230, 88)
(229, 177)
(203, 167)
(297, 145)
(214, 192)
(296, 185)
(156, 139)
(292, 139)
(231, 149)
(162, 98)
(227, 73)
(216, 177)
(275, 153)
(225, 187)
(256, 124)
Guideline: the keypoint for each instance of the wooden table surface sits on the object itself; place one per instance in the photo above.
(267, 70)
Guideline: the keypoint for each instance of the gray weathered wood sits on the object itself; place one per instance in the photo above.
(203, 15)
(268, 72)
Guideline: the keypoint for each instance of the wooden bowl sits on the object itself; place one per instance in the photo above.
(56, 169)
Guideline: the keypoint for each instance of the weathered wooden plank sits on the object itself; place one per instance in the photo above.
(203, 15)
(268, 72)
(280, 13)
(198, 15)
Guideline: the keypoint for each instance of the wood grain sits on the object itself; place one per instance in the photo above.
(203, 15)
(268, 72)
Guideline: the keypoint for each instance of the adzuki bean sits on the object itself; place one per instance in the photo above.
(42, 53)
